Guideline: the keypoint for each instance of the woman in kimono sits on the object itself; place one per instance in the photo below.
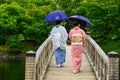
(77, 37)
(59, 37)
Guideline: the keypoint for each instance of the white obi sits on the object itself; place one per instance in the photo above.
(76, 39)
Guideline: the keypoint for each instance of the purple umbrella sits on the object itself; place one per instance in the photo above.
(55, 16)
(83, 20)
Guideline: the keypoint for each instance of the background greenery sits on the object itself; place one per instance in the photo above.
(23, 21)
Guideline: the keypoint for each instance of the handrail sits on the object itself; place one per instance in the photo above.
(43, 57)
(98, 59)
(41, 48)
(99, 50)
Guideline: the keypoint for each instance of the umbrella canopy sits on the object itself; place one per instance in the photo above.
(55, 16)
(83, 20)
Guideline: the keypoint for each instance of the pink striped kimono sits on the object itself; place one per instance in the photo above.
(76, 49)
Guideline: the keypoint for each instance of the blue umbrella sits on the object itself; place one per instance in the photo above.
(83, 20)
(55, 16)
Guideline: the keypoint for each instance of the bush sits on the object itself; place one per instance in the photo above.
(14, 46)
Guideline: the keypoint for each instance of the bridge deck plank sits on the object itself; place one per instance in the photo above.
(65, 73)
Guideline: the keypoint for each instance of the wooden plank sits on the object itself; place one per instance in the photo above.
(65, 73)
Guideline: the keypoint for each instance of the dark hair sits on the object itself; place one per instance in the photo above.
(58, 22)
(75, 23)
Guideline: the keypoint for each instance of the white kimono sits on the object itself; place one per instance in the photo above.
(59, 37)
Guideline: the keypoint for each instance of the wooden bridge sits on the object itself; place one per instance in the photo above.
(96, 65)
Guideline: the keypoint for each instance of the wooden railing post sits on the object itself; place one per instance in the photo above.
(30, 65)
(88, 33)
(113, 65)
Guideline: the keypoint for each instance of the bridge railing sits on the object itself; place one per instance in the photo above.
(37, 62)
(105, 68)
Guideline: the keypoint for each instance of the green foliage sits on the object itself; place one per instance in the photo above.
(104, 16)
(80, 10)
(110, 45)
(105, 20)
(14, 46)
(3, 49)
(8, 19)
(26, 18)
(68, 6)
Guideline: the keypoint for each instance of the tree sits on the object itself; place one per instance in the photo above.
(8, 19)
